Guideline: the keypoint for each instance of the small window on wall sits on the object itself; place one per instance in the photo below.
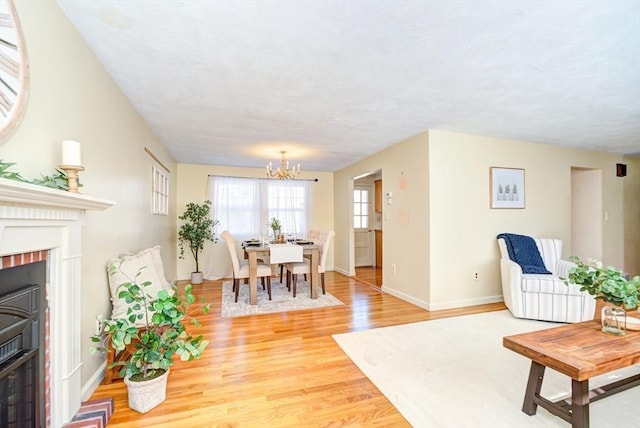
(160, 192)
(360, 209)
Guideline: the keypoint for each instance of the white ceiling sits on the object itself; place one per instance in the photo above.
(234, 82)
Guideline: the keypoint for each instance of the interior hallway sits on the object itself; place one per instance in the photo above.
(369, 275)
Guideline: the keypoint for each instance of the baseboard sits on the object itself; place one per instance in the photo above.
(94, 381)
(467, 302)
(342, 271)
(405, 297)
(452, 304)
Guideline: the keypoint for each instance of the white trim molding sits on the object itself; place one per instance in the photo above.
(34, 218)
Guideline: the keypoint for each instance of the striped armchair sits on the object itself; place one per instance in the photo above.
(544, 297)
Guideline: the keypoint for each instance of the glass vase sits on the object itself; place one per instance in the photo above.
(614, 320)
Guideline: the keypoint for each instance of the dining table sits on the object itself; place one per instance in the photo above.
(253, 251)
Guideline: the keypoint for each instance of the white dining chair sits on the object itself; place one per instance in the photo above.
(241, 268)
(294, 269)
(312, 236)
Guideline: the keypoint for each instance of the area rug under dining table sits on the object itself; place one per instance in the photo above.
(454, 372)
(282, 300)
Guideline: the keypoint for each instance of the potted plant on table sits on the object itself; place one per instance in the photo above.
(276, 226)
(152, 333)
(195, 231)
(610, 285)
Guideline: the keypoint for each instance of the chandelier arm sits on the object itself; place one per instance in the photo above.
(283, 172)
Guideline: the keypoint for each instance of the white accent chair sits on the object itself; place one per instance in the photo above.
(294, 269)
(544, 297)
(241, 268)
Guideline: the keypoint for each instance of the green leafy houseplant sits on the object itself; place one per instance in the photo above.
(275, 224)
(196, 229)
(155, 325)
(605, 283)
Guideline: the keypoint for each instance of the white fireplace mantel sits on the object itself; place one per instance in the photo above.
(34, 218)
(16, 192)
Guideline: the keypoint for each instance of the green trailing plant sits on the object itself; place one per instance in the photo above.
(4, 173)
(55, 181)
(159, 336)
(196, 229)
(605, 283)
(59, 180)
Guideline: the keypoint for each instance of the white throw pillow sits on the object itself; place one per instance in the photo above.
(126, 269)
(157, 262)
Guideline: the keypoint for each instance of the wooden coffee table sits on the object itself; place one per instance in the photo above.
(580, 351)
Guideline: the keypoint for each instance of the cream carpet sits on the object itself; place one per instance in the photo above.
(455, 373)
(281, 300)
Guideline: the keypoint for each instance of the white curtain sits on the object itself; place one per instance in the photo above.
(244, 207)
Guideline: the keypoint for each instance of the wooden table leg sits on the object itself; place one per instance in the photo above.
(534, 385)
(253, 277)
(579, 404)
(313, 264)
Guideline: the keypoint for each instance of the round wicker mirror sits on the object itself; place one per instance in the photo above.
(14, 69)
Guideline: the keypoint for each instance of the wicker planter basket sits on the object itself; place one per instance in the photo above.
(144, 396)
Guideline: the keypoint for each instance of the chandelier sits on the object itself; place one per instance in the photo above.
(283, 172)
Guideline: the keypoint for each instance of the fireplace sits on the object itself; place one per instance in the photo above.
(40, 220)
(22, 346)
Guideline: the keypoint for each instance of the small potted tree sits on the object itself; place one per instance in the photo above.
(611, 286)
(195, 231)
(152, 333)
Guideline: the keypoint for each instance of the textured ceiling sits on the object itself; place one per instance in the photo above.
(234, 82)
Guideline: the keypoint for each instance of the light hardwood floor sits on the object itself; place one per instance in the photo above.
(369, 275)
(280, 370)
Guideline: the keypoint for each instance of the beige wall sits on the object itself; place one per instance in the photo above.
(632, 215)
(192, 187)
(405, 173)
(440, 231)
(464, 227)
(72, 97)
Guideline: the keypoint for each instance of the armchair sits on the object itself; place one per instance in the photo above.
(542, 296)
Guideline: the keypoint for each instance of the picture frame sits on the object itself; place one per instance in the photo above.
(507, 188)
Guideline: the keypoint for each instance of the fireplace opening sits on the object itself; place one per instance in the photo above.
(22, 346)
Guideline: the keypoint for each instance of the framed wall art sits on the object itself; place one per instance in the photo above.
(507, 187)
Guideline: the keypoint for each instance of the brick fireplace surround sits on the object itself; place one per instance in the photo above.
(41, 223)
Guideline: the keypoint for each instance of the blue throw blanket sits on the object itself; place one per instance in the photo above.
(524, 251)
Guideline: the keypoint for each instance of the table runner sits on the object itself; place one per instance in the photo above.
(284, 253)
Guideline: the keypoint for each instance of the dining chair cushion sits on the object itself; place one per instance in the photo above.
(243, 271)
(322, 238)
(302, 267)
(241, 267)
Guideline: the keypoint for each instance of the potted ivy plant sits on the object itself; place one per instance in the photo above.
(610, 285)
(152, 333)
(195, 231)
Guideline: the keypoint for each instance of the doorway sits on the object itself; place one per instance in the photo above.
(586, 213)
(363, 244)
(367, 228)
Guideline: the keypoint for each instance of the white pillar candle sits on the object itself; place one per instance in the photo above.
(71, 153)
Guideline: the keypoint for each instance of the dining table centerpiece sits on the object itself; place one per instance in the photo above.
(276, 226)
(621, 295)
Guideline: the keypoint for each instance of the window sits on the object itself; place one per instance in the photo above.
(360, 208)
(160, 192)
(244, 206)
